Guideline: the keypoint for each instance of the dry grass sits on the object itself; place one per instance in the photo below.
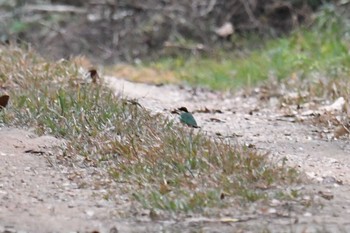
(143, 74)
(167, 167)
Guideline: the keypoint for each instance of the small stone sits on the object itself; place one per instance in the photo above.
(307, 214)
(311, 174)
(272, 211)
(275, 202)
(90, 213)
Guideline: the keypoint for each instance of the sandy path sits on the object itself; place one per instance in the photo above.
(37, 194)
(245, 120)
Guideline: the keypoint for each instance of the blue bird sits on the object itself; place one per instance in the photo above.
(187, 118)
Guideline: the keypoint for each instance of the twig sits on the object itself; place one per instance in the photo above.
(199, 47)
(249, 12)
(55, 8)
(209, 9)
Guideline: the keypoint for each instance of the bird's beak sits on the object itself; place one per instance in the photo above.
(175, 111)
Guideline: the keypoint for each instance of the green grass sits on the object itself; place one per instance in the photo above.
(165, 165)
(322, 48)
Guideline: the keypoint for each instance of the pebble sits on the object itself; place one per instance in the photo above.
(272, 211)
(275, 202)
(90, 213)
(307, 214)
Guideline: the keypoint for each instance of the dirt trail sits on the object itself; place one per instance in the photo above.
(31, 188)
(248, 121)
(37, 194)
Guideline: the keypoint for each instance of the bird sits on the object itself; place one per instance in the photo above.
(187, 118)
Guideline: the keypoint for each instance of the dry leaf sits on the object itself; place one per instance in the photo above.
(203, 110)
(207, 110)
(328, 195)
(164, 188)
(216, 120)
(134, 102)
(228, 220)
(261, 186)
(341, 131)
(94, 75)
(31, 151)
(223, 195)
(4, 101)
(154, 215)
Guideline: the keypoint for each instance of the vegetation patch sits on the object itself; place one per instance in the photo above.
(322, 48)
(166, 166)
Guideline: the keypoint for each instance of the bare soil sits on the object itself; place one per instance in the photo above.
(38, 194)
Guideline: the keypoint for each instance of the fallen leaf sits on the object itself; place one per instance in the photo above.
(328, 195)
(94, 75)
(164, 188)
(203, 110)
(251, 112)
(227, 220)
(133, 102)
(341, 131)
(262, 186)
(4, 101)
(207, 110)
(251, 146)
(216, 120)
(235, 135)
(222, 220)
(223, 195)
(31, 151)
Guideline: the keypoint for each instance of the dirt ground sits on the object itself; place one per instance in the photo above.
(37, 194)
